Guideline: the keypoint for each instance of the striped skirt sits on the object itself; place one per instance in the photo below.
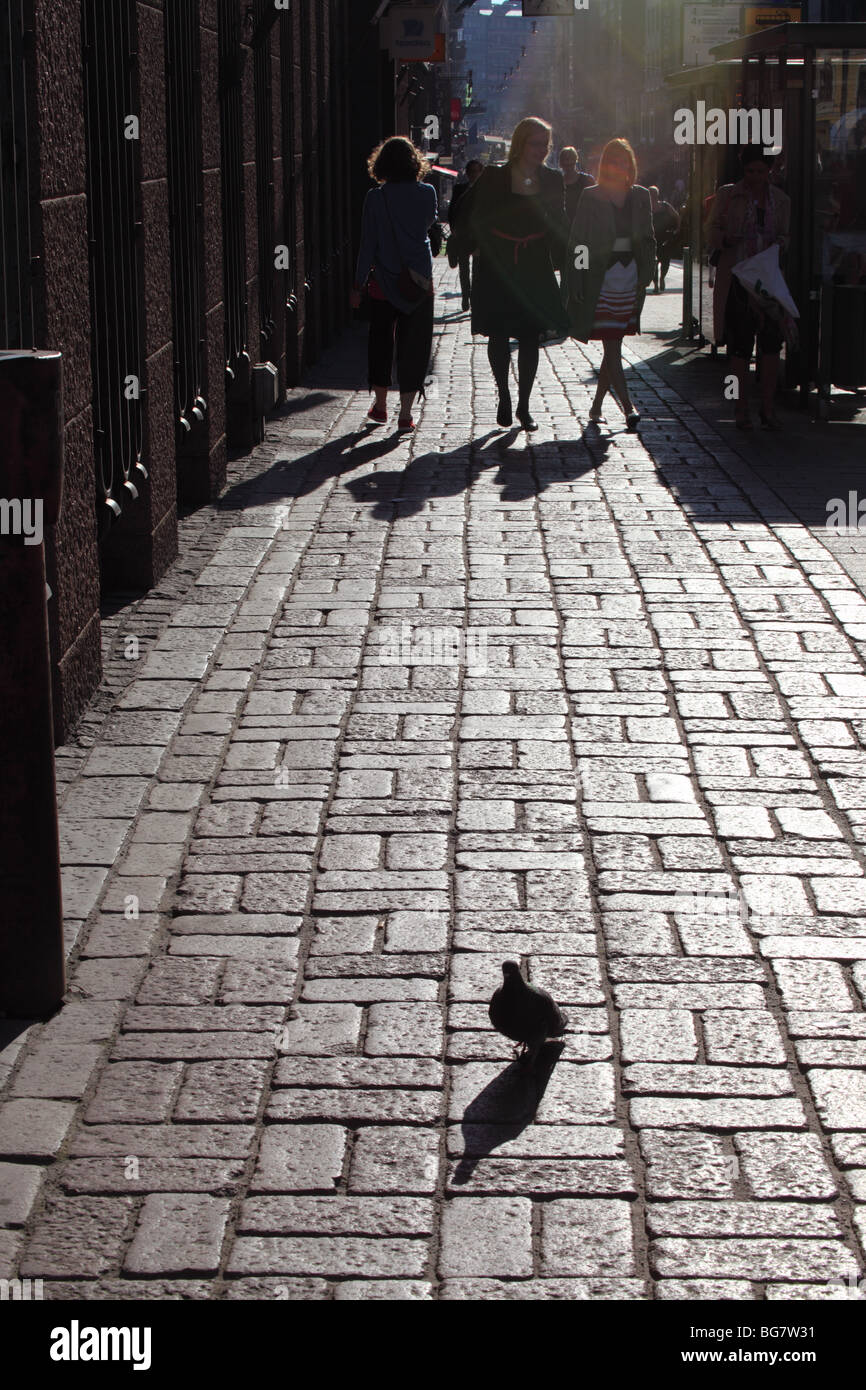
(615, 311)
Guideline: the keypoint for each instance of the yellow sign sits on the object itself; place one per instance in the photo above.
(767, 16)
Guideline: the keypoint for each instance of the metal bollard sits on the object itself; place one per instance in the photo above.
(688, 329)
(32, 973)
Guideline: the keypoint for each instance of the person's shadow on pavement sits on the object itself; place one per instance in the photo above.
(522, 473)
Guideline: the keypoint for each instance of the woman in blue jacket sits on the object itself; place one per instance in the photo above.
(396, 265)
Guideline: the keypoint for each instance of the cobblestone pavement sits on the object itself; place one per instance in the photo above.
(404, 709)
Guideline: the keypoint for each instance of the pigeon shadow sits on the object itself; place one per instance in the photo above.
(504, 1109)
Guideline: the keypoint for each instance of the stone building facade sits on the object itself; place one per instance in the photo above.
(179, 215)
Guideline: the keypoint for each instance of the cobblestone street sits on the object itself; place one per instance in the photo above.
(405, 708)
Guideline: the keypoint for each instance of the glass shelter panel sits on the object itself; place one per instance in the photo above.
(840, 175)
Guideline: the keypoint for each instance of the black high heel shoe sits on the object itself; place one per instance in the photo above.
(503, 414)
(526, 420)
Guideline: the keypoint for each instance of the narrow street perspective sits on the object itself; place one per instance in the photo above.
(405, 708)
(432, 681)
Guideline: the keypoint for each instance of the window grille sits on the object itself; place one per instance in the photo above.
(310, 191)
(324, 173)
(231, 138)
(17, 312)
(114, 229)
(264, 171)
(290, 229)
(183, 139)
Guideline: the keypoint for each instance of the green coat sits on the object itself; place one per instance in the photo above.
(593, 227)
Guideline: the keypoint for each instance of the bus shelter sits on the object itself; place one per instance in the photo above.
(816, 75)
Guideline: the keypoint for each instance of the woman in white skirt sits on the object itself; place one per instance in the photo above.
(610, 265)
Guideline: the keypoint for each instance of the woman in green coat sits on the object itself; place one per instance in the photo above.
(610, 264)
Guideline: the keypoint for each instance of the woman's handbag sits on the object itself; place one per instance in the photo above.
(411, 284)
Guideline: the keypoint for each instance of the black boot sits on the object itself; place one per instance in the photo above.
(499, 357)
(527, 365)
(524, 416)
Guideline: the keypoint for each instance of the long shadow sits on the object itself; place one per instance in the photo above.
(296, 477)
(805, 465)
(504, 1109)
(521, 473)
(403, 491)
(296, 405)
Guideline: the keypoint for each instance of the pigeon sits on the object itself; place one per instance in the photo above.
(527, 1015)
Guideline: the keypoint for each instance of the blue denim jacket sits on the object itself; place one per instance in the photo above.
(394, 226)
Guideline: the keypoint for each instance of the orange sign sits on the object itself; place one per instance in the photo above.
(437, 56)
(768, 16)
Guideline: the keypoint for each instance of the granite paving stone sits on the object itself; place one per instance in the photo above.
(296, 851)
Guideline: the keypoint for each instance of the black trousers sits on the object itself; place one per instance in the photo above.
(663, 263)
(744, 322)
(465, 264)
(411, 335)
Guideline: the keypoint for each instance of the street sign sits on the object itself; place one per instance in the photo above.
(706, 25)
(415, 33)
(767, 16)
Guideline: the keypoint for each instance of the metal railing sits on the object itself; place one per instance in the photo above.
(183, 143)
(17, 310)
(114, 232)
(231, 139)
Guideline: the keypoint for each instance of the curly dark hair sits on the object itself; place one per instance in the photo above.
(397, 160)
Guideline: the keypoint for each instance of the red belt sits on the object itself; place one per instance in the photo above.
(519, 241)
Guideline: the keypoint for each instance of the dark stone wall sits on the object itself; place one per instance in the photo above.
(371, 102)
(325, 63)
(63, 320)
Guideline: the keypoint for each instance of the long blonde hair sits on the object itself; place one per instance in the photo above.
(522, 132)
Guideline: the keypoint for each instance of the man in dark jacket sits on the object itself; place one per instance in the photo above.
(666, 224)
(575, 180)
(459, 252)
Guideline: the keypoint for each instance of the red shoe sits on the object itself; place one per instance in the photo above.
(405, 426)
(377, 417)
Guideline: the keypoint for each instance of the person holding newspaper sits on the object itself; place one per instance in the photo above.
(748, 217)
